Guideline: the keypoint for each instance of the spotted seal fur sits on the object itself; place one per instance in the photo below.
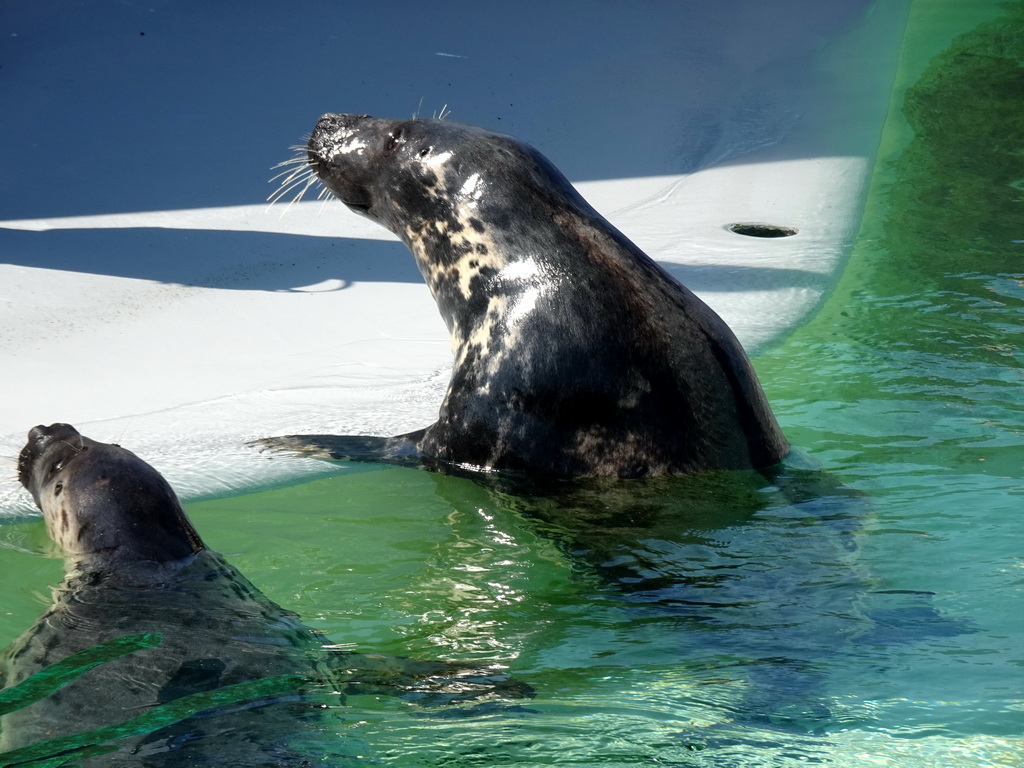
(136, 566)
(575, 353)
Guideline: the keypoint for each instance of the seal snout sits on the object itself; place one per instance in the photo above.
(332, 134)
(57, 431)
(338, 151)
(39, 438)
(333, 122)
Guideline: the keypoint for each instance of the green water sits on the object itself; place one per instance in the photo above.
(906, 644)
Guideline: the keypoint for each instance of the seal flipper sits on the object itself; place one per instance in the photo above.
(401, 449)
(425, 682)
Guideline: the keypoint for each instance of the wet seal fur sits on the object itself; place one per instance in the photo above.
(136, 565)
(575, 353)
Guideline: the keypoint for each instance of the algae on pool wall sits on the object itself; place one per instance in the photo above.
(933, 293)
(951, 201)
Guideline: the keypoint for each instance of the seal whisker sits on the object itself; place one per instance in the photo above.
(293, 166)
(76, 448)
(293, 180)
(301, 156)
(302, 147)
(279, 193)
(301, 180)
(290, 173)
(324, 197)
(298, 159)
(307, 180)
(300, 164)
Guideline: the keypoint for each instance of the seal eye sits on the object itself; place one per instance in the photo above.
(425, 151)
(395, 139)
(56, 467)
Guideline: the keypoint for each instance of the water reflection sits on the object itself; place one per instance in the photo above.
(750, 586)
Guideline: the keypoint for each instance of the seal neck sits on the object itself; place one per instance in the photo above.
(117, 569)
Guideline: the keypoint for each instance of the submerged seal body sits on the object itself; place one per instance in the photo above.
(575, 353)
(136, 566)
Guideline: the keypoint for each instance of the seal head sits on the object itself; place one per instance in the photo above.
(575, 353)
(98, 498)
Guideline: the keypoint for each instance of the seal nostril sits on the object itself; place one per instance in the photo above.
(761, 230)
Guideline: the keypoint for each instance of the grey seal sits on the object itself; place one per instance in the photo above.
(136, 567)
(575, 353)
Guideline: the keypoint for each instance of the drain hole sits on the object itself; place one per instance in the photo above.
(762, 230)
